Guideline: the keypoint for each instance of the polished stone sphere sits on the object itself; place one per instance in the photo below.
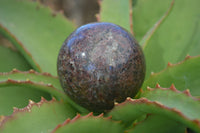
(99, 64)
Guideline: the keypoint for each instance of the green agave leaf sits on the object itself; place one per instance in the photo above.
(32, 80)
(157, 124)
(173, 98)
(176, 37)
(37, 117)
(21, 83)
(15, 93)
(169, 103)
(116, 11)
(18, 96)
(89, 124)
(151, 31)
(183, 75)
(10, 59)
(146, 13)
(45, 78)
(34, 31)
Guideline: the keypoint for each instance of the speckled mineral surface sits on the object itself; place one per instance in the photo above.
(100, 63)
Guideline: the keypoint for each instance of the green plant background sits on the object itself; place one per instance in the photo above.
(32, 100)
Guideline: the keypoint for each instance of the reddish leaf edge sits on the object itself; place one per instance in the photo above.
(159, 105)
(142, 100)
(170, 65)
(152, 30)
(49, 88)
(31, 71)
(79, 117)
(20, 46)
(10, 81)
(173, 88)
(130, 17)
(26, 109)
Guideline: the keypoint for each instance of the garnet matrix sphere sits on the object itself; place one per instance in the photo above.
(99, 64)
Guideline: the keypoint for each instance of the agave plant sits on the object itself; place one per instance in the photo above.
(32, 99)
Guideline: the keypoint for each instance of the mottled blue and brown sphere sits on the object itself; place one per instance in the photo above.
(99, 64)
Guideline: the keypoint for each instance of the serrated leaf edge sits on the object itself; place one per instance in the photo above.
(29, 82)
(31, 71)
(159, 105)
(79, 117)
(28, 108)
(58, 94)
(170, 65)
(173, 88)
